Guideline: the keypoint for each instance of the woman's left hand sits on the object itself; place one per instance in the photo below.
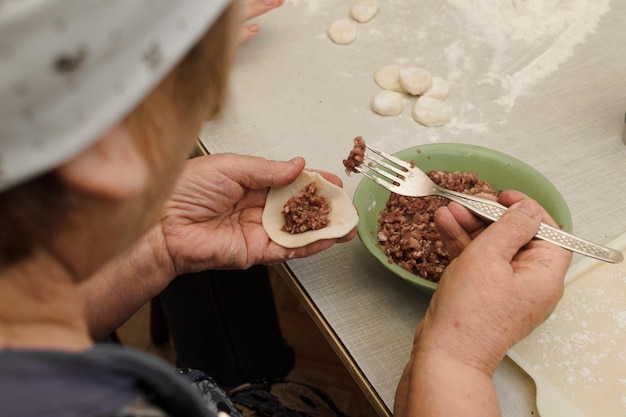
(213, 217)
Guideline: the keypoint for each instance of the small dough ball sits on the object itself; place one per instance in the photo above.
(364, 10)
(342, 31)
(387, 103)
(388, 78)
(431, 112)
(415, 80)
(439, 89)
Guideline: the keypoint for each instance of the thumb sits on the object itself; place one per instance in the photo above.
(505, 237)
(279, 173)
(256, 172)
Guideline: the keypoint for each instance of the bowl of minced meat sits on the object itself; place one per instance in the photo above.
(399, 231)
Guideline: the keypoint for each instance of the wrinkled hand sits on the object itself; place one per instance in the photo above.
(252, 9)
(501, 285)
(213, 218)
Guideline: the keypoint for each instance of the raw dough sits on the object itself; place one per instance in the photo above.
(387, 103)
(342, 31)
(343, 216)
(364, 10)
(431, 112)
(439, 89)
(388, 78)
(415, 80)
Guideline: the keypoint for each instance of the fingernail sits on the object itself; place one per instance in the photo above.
(269, 3)
(529, 207)
(295, 161)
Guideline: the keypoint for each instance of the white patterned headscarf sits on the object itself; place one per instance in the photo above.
(71, 69)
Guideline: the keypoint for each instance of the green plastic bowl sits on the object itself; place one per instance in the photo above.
(500, 170)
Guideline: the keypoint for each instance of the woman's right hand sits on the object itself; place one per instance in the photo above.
(500, 286)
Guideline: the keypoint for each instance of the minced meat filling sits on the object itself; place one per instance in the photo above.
(306, 211)
(406, 227)
(355, 158)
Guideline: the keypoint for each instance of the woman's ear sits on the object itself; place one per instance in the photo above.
(113, 167)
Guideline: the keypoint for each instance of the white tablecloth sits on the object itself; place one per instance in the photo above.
(556, 102)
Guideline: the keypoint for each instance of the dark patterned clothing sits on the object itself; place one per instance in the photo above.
(113, 381)
(284, 399)
(106, 381)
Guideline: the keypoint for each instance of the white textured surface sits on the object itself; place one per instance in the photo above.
(580, 351)
(294, 92)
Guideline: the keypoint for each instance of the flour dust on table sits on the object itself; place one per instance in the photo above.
(490, 52)
(552, 27)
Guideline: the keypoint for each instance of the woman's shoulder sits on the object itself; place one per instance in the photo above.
(103, 381)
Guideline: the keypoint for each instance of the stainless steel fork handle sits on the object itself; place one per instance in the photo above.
(492, 210)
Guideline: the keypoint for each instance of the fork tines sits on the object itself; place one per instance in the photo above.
(400, 162)
(383, 168)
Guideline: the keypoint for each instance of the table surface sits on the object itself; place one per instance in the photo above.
(541, 82)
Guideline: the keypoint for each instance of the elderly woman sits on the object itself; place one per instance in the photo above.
(101, 105)
(102, 101)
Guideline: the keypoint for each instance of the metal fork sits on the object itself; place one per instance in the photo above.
(398, 176)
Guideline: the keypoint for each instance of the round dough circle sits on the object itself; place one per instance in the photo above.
(342, 31)
(439, 89)
(387, 103)
(343, 215)
(388, 78)
(415, 80)
(364, 10)
(431, 112)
